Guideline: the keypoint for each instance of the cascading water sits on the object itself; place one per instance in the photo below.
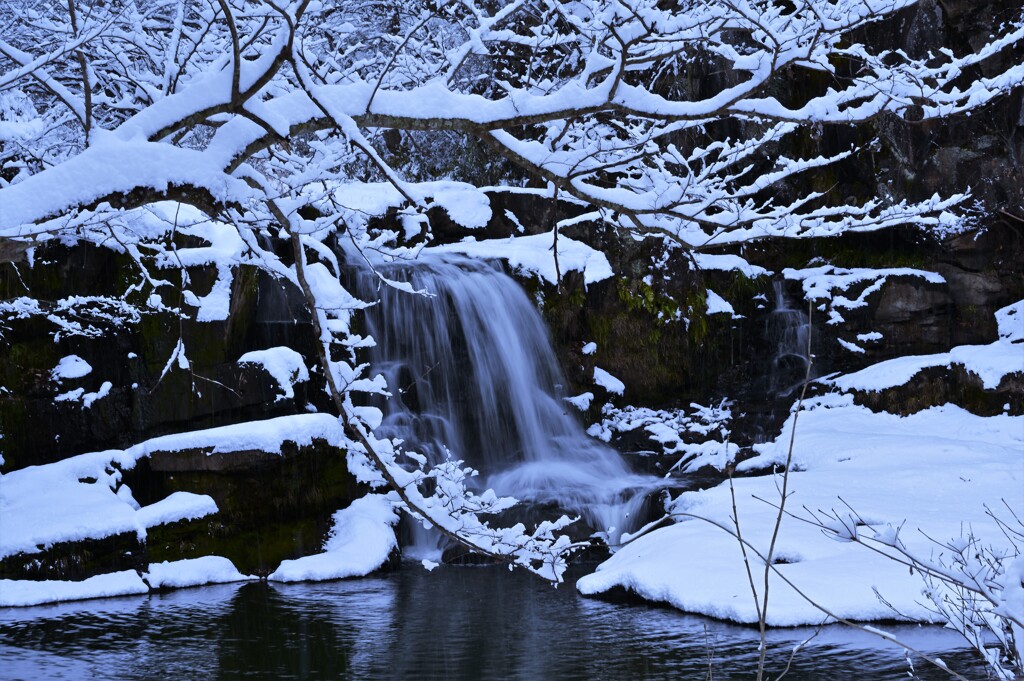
(787, 329)
(472, 371)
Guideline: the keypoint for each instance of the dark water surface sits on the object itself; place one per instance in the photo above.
(452, 623)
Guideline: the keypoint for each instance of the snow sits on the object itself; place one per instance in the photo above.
(718, 305)
(934, 470)
(852, 347)
(362, 539)
(71, 366)
(1010, 321)
(991, 363)
(166, 575)
(176, 507)
(193, 572)
(25, 592)
(825, 283)
(89, 398)
(465, 203)
(126, 165)
(283, 364)
(82, 497)
(581, 401)
(535, 255)
(608, 382)
(693, 439)
(727, 263)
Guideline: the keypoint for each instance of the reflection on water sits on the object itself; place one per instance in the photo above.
(452, 623)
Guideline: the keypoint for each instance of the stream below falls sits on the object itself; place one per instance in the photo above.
(469, 623)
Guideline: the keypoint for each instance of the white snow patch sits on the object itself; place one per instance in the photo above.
(608, 382)
(82, 498)
(1010, 321)
(582, 401)
(361, 540)
(71, 366)
(193, 572)
(718, 305)
(990, 362)
(726, 262)
(283, 364)
(852, 347)
(25, 592)
(89, 398)
(174, 508)
(824, 284)
(936, 470)
(535, 255)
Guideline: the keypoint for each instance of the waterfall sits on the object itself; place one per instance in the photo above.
(787, 330)
(471, 369)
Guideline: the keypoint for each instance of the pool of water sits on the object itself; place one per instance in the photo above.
(452, 623)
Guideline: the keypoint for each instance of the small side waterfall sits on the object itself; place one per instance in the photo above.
(471, 369)
(787, 330)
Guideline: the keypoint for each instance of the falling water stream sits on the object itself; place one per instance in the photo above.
(787, 330)
(472, 373)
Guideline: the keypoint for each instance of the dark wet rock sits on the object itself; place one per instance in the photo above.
(77, 560)
(935, 386)
(272, 507)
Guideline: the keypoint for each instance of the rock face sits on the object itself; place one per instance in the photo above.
(272, 506)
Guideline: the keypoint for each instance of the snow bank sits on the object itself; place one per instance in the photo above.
(535, 255)
(166, 575)
(24, 592)
(193, 572)
(935, 470)
(990, 362)
(362, 538)
(82, 497)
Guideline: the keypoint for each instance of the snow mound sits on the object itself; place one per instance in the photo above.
(193, 572)
(718, 305)
(535, 255)
(936, 470)
(82, 497)
(990, 362)
(283, 364)
(174, 508)
(362, 538)
(71, 366)
(726, 263)
(608, 382)
(23, 592)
